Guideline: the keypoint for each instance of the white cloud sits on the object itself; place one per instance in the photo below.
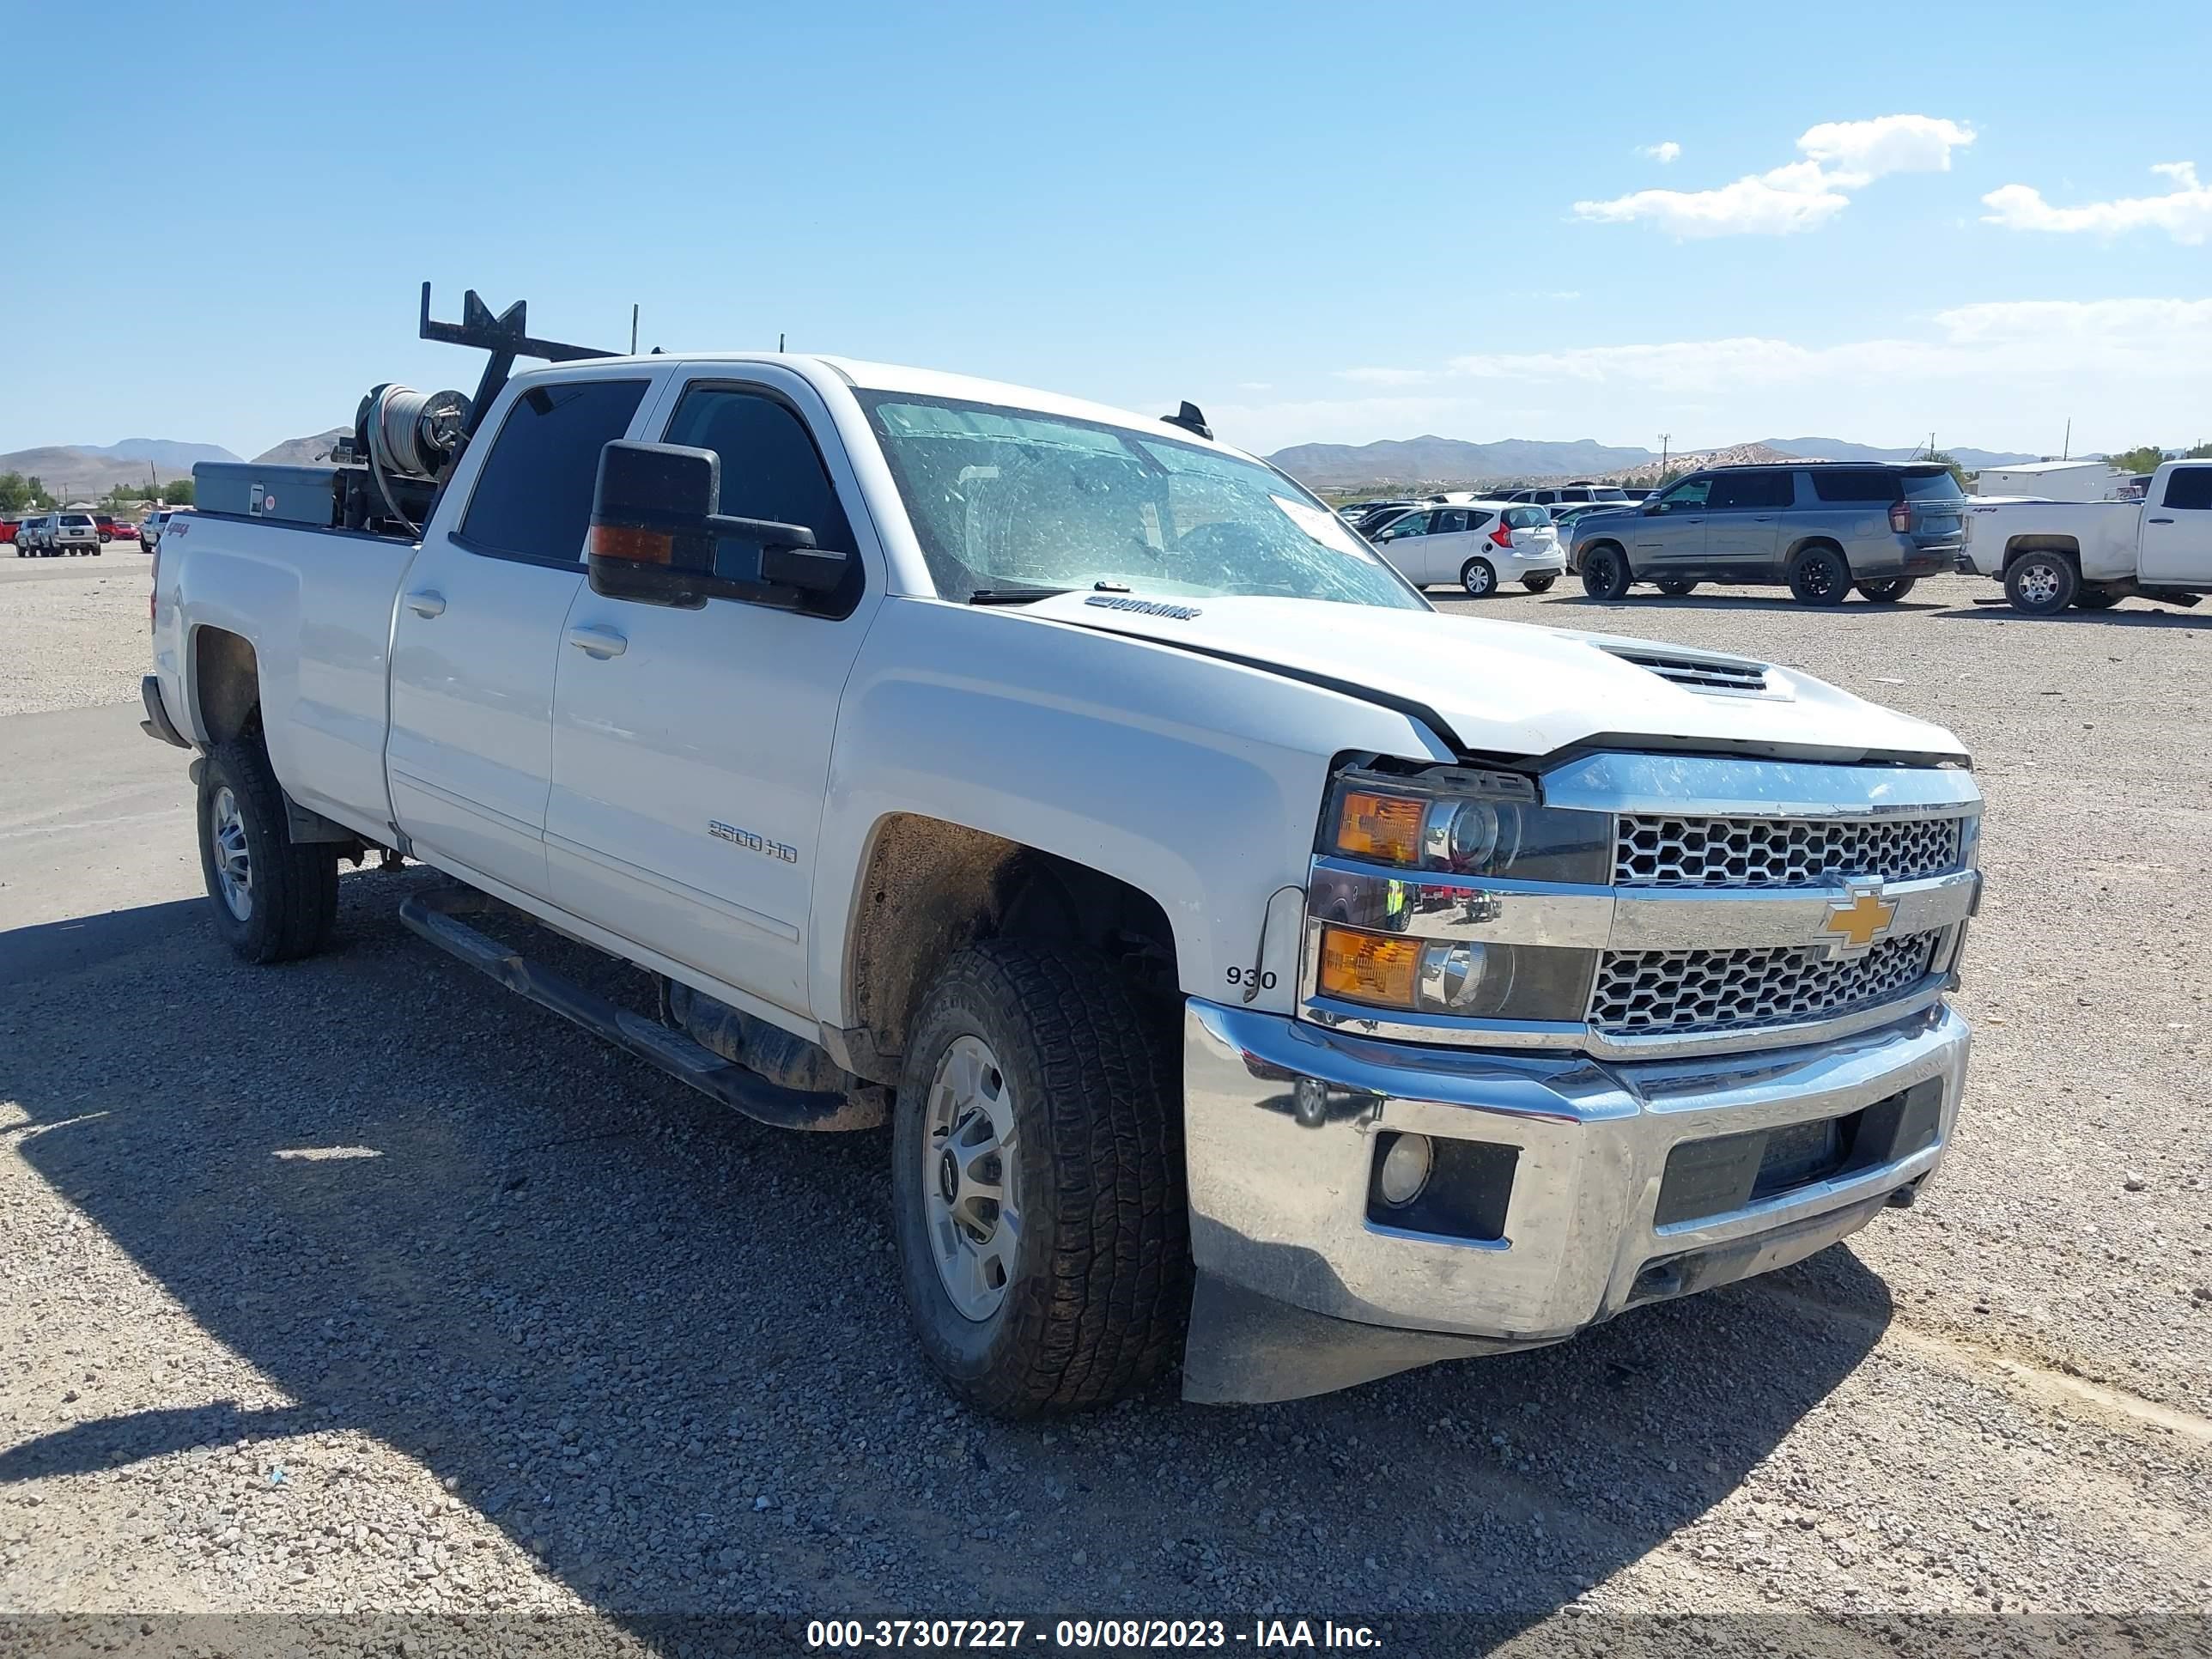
(1661, 153)
(1996, 374)
(2185, 212)
(1841, 156)
(1856, 152)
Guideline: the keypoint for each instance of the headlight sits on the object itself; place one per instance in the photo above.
(1455, 978)
(1466, 823)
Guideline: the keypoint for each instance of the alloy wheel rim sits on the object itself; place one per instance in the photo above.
(2038, 584)
(969, 1156)
(234, 866)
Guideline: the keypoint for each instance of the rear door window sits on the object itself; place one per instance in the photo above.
(533, 498)
(1451, 522)
(2189, 488)
(1745, 491)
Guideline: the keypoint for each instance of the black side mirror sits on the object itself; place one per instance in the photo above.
(658, 537)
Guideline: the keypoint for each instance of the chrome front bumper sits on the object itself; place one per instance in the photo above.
(1302, 1288)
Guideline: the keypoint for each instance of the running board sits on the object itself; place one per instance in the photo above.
(435, 915)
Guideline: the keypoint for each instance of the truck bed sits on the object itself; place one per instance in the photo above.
(2105, 534)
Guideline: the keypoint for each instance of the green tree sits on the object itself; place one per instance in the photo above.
(38, 497)
(2143, 457)
(178, 492)
(2199, 453)
(15, 492)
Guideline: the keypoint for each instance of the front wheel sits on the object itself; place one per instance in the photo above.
(1540, 584)
(1888, 590)
(1037, 1181)
(2042, 584)
(1605, 572)
(1479, 578)
(1819, 576)
(274, 899)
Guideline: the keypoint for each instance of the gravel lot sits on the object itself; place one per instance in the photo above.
(360, 1287)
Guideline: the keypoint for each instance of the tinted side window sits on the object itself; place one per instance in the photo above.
(533, 498)
(1413, 523)
(770, 470)
(1854, 483)
(1452, 522)
(1688, 494)
(1765, 490)
(2188, 487)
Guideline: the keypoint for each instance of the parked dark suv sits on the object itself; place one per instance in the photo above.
(1822, 527)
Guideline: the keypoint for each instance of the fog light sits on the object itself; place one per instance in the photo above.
(1405, 1170)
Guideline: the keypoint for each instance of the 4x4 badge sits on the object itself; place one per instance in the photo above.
(1858, 919)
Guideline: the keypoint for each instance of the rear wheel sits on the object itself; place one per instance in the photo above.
(1675, 588)
(1605, 572)
(2042, 584)
(1479, 578)
(274, 899)
(1540, 584)
(1888, 590)
(1819, 576)
(1037, 1181)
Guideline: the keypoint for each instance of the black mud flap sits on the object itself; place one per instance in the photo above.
(435, 915)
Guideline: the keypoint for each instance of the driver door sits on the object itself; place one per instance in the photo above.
(1671, 530)
(1404, 547)
(2176, 529)
(691, 746)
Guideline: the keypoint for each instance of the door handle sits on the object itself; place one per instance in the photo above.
(600, 642)
(2161, 521)
(427, 602)
(1764, 518)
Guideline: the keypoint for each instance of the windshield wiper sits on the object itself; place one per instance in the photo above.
(1014, 595)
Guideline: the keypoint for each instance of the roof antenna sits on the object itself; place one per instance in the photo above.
(633, 328)
(779, 340)
(1191, 418)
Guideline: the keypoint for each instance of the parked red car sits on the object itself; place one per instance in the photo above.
(7, 529)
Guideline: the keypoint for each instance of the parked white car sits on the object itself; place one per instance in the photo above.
(2092, 555)
(1479, 546)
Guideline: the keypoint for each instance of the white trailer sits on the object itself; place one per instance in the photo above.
(2052, 480)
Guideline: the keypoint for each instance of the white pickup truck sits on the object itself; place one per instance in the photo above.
(2092, 555)
(1257, 967)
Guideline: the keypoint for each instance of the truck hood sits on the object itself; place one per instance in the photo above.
(1511, 689)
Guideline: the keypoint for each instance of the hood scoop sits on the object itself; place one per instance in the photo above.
(1699, 670)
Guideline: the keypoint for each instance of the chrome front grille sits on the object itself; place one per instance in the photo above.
(1648, 991)
(1687, 852)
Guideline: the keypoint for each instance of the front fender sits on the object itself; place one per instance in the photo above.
(1195, 780)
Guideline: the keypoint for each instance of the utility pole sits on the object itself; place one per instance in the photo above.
(1665, 438)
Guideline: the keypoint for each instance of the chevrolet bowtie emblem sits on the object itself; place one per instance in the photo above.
(1858, 919)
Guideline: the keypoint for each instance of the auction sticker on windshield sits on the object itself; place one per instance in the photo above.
(1324, 527)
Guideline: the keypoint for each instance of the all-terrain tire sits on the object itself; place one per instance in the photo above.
(1605, 572)
(1099, 1293)
(292, 887)
(2042, 583)
(1819, 576)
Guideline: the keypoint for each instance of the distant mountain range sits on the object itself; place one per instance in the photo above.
(1452, 460)
(89, 472)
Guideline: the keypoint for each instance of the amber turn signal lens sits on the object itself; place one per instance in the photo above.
(1377, 826)
(614, 541)
(1369, 967)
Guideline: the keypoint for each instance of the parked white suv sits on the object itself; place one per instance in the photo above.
(1479, 546)
(59, 533)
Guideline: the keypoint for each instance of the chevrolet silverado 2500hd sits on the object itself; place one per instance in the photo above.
(2092, 555)
(1256, 966)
